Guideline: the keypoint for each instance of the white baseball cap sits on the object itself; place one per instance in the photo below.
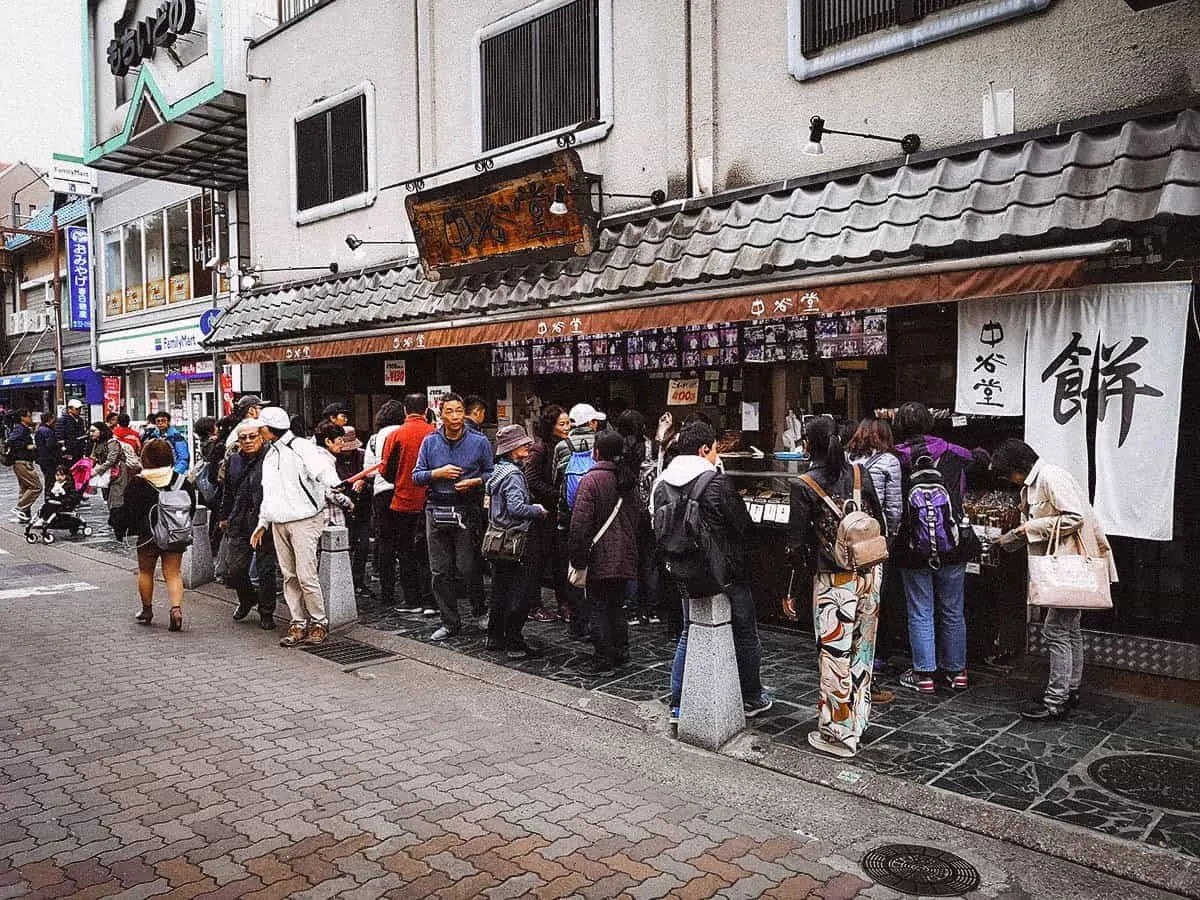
(275, 417)
(582, 413)
(74, 404)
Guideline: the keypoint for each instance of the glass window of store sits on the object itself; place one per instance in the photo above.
(138, 389)
(156, 391)
(161, 258)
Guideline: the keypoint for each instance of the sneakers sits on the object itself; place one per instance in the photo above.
(957, 682)
(673, 716)
(541, 614)
(757, 707)
(429, 611)
(523, 652)
(818, 742)
(296, 634)
(24, 518)
(1038, 711)
(441, 634)
(317, 634)
(242, 611)
(922, 684)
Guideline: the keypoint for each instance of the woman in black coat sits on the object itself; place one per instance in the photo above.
(544, 550)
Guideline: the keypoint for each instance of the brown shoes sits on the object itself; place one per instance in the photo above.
(296, 634)
(317, 635)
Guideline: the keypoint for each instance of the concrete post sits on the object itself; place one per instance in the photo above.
(710, 712)
(337, 580)
(198, 566)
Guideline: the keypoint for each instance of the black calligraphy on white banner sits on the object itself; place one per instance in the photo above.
(1143, 333)
(991, 357)
(1064, 328)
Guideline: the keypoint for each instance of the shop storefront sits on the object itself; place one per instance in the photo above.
(35, 390)
(751, 308)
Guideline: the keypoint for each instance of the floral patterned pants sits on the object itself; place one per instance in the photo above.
(845, 616)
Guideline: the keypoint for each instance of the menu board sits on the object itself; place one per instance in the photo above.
(788, 340)
(852, 335)
(657, 348)
(600, 353)
(510, 360)
(555, 356)
(705, 346)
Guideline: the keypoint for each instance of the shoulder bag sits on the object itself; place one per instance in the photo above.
(578, 577)
(504, 544)
(1068, 581)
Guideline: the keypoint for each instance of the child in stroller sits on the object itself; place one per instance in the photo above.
(58, 512)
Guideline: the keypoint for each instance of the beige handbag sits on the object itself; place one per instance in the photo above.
(1070, 581)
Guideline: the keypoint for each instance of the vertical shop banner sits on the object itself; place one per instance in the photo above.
(1139, 386)
(1064, 328)
(226, 390)
(79, 277)
(112, 394)
(990, 379)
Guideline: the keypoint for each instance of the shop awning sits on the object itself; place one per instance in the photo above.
(1055, 189)
(92, 381)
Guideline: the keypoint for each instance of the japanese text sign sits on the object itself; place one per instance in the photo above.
(683, 391)
(79, 278)
(991, 357)
(395, 372)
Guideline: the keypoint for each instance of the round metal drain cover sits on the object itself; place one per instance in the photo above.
(1155, 779)
(925, 871)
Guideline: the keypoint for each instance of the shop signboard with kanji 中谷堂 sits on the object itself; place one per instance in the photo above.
(991, 357)
(504, 217)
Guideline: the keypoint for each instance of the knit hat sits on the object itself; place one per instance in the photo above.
(510, 437)
(350, 441)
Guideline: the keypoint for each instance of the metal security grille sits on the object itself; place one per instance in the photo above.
(346, 652)
(828, 22)
(289, 9)
(542, 75)
(331, 154)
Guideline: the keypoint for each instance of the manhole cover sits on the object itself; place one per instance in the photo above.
(1168, 782)
(925, 871)
(346, 652)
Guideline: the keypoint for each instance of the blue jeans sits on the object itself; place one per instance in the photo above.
(746, 645)
(936, 593)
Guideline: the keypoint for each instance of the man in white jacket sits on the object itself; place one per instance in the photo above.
(296, 476)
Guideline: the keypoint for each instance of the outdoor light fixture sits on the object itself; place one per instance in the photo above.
(353, 241)
(910, 143)
(559, 206)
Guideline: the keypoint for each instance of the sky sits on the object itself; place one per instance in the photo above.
(41, 103)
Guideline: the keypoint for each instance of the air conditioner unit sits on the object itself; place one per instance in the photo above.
(18, 322)
(45, 319)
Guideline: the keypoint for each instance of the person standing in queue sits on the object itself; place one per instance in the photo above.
(241, 501)
(545, 550)
(476, 408)
(454, 463)
(48, 450)
(72, 432)
(403, 551)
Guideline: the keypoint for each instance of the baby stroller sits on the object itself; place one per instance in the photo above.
(58, 514)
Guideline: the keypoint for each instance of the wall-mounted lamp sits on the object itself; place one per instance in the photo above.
(354, 242)
(559, 206)
(910, 143)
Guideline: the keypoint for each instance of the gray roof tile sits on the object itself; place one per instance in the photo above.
(1141, 171)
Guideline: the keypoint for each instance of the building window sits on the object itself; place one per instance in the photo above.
(161, 258)
(541, 75)
(332, 150)
(824, 34)
(289, 9)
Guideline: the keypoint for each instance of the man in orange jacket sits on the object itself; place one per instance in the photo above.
(402, 529)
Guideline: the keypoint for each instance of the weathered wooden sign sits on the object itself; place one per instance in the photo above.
(504, 217)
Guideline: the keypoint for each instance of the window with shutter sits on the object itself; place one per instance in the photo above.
(829, 22)
(541, 75)
(331, 154)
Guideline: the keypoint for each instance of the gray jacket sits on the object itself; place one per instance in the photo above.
(884, 469)
(508, 503)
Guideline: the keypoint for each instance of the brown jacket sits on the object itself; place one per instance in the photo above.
(1051, 496)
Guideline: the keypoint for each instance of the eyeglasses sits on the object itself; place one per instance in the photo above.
(249, 438)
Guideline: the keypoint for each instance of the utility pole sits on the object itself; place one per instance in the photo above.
(55, 303)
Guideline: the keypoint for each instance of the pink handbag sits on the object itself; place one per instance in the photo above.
(1069, 581)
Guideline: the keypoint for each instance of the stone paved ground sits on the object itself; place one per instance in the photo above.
(212, 763)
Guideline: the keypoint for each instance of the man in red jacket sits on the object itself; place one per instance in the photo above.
(402, 530)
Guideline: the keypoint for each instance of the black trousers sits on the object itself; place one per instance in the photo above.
(239, 553)
(542, 556)
(48, 470)
(359, 528)
(610, 630)
(385, 545)
(510, 603)
(412, 556)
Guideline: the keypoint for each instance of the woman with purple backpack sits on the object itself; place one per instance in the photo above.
(933, 548)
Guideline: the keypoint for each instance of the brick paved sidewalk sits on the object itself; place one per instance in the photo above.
(213, 763)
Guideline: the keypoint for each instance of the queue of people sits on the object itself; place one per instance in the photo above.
(616, 525)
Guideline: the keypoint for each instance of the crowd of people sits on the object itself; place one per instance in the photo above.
(617, 527)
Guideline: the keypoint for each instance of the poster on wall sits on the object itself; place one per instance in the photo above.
(600, 353)
(707, 346)
(510, 359)
(852, 335)
(395, 373)
(784, 341)
(553, 357)
(1139, 361)
(435, 393)
(990, 378)
(112, 394)
(654, 349)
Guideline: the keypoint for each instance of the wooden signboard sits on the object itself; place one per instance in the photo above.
(503, 218)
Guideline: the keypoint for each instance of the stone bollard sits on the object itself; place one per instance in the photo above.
(337, 581)
(711, 709)
(198, 565)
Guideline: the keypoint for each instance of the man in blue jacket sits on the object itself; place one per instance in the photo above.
(165, 430)
(454, 464)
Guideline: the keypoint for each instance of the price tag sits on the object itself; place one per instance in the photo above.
(756, 512)
(958, 421)
(973, 568)
(783, 514)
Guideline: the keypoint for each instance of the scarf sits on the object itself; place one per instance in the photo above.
(160, 478)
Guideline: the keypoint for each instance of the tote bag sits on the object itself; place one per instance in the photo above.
(1069, 581)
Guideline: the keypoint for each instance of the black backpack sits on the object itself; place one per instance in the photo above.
(682, 539)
